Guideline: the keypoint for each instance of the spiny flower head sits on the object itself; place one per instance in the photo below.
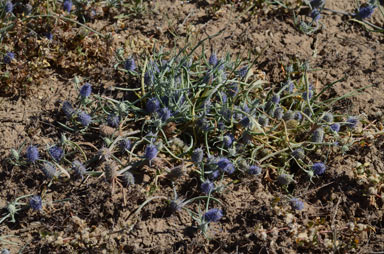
(35, 203)
(8, 7)
(352, 122)
(164, 114)
(278, 114)
(56, 152)
(318, 135)
(207, 187)
(365, 12)
(68, 109)
(297, 116)
(152, 105)
(67, 5)
(213, 59)
(327, 117)
(49, 170)
(245, 121)
(32, 154)
(129, 64)
(84, 118)
(276, 99)
(297, 204)
(335, 127)
(197, 155)
(78, 168)
(254, 170)
(86, 90)
(113, 120)
(233, 89)
(128, 178)
(242, 72)
(8, 57)
(151, 152)
(307, 95)
(125, 144)
(315, 15)
(284, 179)
(228, 140)
(318, 168)
(289, 115)
(213, 215)
(298, 154)
(317, 3)
(225, 165)
(263, 121)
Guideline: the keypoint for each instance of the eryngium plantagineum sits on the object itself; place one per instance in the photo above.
(297, 116)
(67, 5)
(242, 72)
(67, 109)
(225, 165)
(284, 179)
(49, 170)
(150, 152)
(164, 114)
(197, 155)
(297, 204)
(263, 121)
(289, 115)
(278, 114)
(207, 187)
(315, 15)
(86, 90)
(128, 178)
(152, 105)
(228, 140)
(84, 118)
(113, 120)
(125, 144)
(213, 59)
(276, 99)
(352, 122)
(233, 89)
(32, 154)
(8, 7)
(335, 127)
(298, 154)
(254, 170)
(78, 168)
(213, 215)
(129, 64)
(8, 57)
(245, 122)
(318, 135)
(307, 95)
(327, 117)
(35, 203)
(56, 152)
(365, 12)
(318, 168)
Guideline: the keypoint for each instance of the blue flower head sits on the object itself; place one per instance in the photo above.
(129, 64)
(32, 154)
(327, 117)
(297, 116)
(164, 114)
(228, 140)
(150, 152)
(8, 7)
(315, 4)
(263, 121)
(84, 118)
(245, 122)
(335, 127)
(49, 170)
(8, 57)
(315, 15)
(213, 59)
(318, 168)
(352, 122)
(197, 155)
(254, 170)
(225, 165)
(152, 105)
(113, 120)
(289, 115)
(318, 135)
(284, 179)
(215, 174)
(213, 215)
(297, 204)
(78, 168)
(56, 152)
(49, 36)
(278, 114)
(307, 95)
(35, 203)
(125, 144)
(67, 5)
(86, 90)
(365, 12)
(149, 77)
(276, 99)
(68, 109)
(207, 187)
(128, 178)
(298, 154)
(242, 72)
